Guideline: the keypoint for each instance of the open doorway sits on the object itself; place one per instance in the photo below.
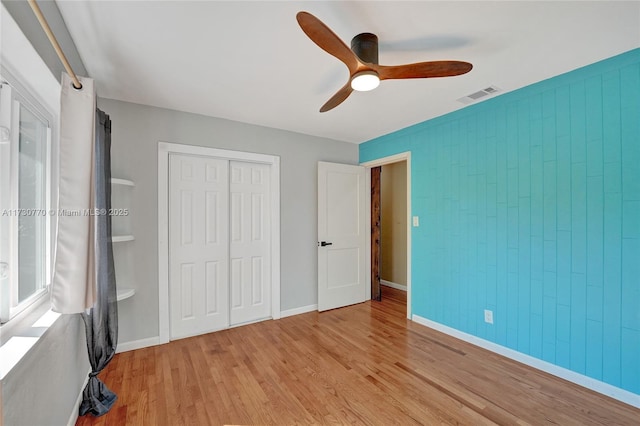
(393, 224)
(390, 240)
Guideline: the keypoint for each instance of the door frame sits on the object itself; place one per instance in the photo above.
(396, 158)
(164, 150)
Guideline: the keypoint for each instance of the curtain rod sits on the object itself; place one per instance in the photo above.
(52, 38)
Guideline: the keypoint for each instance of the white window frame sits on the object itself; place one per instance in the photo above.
(14, 95)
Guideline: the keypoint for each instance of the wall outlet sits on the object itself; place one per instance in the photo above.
(416, 221)
(488, 316)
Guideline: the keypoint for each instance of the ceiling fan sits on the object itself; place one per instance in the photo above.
(362, 61)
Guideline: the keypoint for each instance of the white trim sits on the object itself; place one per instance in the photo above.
(73, 418)
(25, 318)
(164, 149)
(123, 293)
(21, 334)
(138, 344)
(393, 285)
(579, 379)
(122, 238)
(124, 182)
(20, 58)
(403, 156)
(163, 243)
(275, 237)
(19, 95)
(396, 158)
(300, 310)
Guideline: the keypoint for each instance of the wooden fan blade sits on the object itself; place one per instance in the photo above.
(338, 98)
(326, 39)
(424, 70)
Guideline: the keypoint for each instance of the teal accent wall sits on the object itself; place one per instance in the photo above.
(529, 205)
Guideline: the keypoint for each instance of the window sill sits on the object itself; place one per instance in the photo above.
(20, 335)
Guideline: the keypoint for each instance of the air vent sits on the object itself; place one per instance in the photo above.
(491, 90)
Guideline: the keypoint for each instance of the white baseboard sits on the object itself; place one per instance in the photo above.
(298, 311)
(579, 379)
(73, 418)
(137, 344)
(393, 285)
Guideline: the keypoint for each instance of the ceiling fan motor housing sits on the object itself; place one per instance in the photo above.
(365, 71)
(365, 45)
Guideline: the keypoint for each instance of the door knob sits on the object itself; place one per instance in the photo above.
(324, 244)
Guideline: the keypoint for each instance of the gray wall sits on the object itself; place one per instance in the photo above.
(137, 129)
(43, 388)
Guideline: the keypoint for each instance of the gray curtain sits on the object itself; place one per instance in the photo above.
(101, 321)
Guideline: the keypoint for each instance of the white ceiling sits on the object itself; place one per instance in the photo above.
(251, 62)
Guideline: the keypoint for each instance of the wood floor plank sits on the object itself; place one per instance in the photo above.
(363, 364)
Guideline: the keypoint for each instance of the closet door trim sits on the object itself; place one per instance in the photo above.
(164, 150)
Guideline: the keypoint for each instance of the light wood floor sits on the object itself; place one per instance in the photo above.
(363, 364)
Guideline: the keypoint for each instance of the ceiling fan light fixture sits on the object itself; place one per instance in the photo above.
(365, 72)
(365, 81)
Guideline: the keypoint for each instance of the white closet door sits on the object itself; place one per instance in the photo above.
(250, 248)
(198, 245)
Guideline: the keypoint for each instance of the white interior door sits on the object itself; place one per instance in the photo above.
(341, 235)
(250, 242)
(198, 245)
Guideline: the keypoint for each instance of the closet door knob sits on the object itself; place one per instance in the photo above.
(324, 244)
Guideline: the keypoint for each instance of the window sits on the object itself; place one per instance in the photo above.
(25, 208)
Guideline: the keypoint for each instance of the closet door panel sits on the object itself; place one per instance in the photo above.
(198, 245)
(250, 242)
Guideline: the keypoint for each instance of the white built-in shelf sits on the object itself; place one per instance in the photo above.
(124, 293)
(122, 238)
(125, 182)
(122, 192)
